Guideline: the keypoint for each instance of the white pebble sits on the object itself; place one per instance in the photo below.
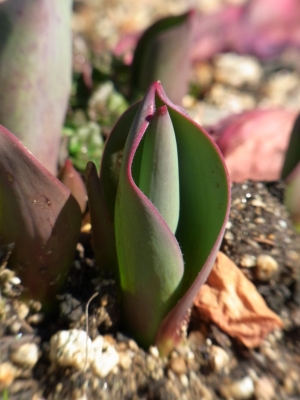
(218, 358)
(184, 380)
(71, 348)
(22, 310)
(266, 267)
(106, 358)
(15, 280)
(125, 361)
(153, 350)
(240, 390)
(248, 261)
(26, 355)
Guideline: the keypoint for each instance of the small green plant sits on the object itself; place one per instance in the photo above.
(158, 214)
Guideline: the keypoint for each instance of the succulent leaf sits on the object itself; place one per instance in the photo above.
(35, 73)
(39, 215)
(163, 52)
(159, 167)
(160, 267)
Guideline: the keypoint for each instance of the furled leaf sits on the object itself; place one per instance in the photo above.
(163, 52)
(39, 215)
(160, 273)
(35, 73)
(101, 197)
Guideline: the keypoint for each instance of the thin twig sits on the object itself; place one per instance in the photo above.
(87, 327)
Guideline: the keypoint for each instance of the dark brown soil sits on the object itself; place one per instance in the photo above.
(188, 372)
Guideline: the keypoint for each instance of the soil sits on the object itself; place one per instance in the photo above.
(187, 373)
(258, 224)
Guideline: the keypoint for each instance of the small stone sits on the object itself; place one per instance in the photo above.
(290, 381)
(257, 203)
(153, 350)
(7, 374)
(6, 275)
(59, 387)
(35, 319)
(266, 267)
(184, 380)
(35, 306)
(218, 358)
(204, 392)
(178, 365)
(151, 363)
(236, 70)
(281, 89)
(270, 353)
(106, 357)
(264, 389)
(71, 348)
(15, 327)
(15, 280)
(196, 339)
(203, 74)
(230, 99)
(248, 261)
(26, 356)
(157, 374)
(125, 361)
(133, 345)
(22, 310)
(229, 236)
(239, 390)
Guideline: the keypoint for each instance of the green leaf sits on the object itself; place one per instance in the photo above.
(163, 53)
(159, 167)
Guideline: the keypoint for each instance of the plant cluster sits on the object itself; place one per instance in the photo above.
(160, 204)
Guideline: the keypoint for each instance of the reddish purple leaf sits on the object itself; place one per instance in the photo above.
(40, 216)
(249, 141)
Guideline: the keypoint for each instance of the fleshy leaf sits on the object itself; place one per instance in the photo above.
(102, 193)
(150, 260)
(204, 210)
(35, 73)
(39, 215)
(158, 173)
(163, 52)
(160, 273)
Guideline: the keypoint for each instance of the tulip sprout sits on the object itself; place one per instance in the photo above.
(158, 214)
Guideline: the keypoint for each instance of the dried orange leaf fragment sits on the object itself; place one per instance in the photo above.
(233, 303)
